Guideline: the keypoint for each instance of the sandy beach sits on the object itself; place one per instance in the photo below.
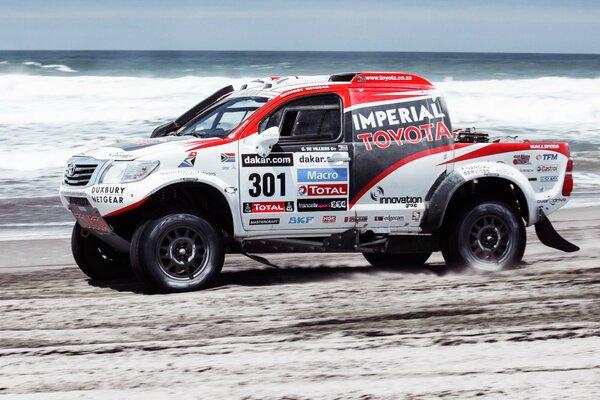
(322, 327)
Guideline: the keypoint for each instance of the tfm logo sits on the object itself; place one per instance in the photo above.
(547, 157)
(340, 189)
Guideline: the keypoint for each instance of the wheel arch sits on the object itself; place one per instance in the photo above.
(455, 191)
(195, 196)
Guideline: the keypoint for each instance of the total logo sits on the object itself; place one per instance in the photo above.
(269, 207)
(301, 220)
(333, 189)
(547, 157)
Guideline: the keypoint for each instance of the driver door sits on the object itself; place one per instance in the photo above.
(304, 182)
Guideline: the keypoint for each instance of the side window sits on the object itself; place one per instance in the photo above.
(314, 118)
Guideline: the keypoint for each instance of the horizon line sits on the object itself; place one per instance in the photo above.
(299, 51)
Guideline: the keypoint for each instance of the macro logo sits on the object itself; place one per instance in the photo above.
(322, 174)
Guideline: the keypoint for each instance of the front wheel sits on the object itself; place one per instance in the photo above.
(397, 259)
(489, 237)
(97, 259)
(177, 252)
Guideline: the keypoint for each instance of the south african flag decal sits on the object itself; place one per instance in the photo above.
(227, 157)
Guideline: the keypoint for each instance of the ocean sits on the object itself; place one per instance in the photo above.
(57, 103)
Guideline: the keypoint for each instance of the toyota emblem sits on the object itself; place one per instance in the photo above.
(70, 170)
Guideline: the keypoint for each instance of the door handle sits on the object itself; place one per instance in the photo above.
(339, 159)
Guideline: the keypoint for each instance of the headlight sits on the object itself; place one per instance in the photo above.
(128, 171)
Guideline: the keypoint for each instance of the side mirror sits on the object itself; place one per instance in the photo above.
(265, 141)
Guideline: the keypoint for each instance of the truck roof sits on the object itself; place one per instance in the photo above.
(273, 86)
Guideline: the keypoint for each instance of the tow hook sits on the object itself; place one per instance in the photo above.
(548, 235)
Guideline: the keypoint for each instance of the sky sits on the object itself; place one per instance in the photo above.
(548, 26)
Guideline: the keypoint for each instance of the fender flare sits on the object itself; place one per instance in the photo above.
(447, 187)
(172, 177)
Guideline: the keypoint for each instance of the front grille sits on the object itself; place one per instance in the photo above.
(79, 201)
(81, 174)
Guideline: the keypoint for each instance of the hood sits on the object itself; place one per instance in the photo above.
(130, 150)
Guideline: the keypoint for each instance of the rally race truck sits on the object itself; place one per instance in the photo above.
(353, 162)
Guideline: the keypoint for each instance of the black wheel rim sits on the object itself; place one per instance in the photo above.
(182, 252)
(489, 240)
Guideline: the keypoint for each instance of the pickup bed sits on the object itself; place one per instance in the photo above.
(353, 162)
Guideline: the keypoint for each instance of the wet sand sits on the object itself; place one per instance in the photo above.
(324, 326)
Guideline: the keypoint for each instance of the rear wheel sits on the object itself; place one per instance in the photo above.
(397, 259)
(97, 259)
(489, 237)
(177, 252)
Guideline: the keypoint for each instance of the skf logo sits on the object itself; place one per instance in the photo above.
(547, 157)
(301, 220)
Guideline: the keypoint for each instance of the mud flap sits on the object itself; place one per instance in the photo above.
(548, 235)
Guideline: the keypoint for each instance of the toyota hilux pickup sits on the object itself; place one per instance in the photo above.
(353, 162)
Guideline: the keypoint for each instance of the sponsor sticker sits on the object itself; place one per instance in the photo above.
(272, 160)
(319, 148)
(547, 168)
(323, 189)
(312, 159)
(301, 220)
(322, 174)
(552, 201)
(189, 161)
(547, 157)
(227, 157)
(264, 221)
(268, 207)
(335, 204)
(92, 222)
(378, 195)
(520, 159)
(360, 218)
(553, 178)
(329, 219)
(389, 218)
(543, 146)
(416, 215)
(108, 194)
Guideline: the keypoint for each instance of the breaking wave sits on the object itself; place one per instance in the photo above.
(56, 67)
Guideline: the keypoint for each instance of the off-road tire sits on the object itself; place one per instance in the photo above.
(96, 259)
(177, 252)
(488, 237)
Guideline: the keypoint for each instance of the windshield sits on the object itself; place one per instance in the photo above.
(223, 117)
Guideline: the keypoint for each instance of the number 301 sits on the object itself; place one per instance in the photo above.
(265, 185)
